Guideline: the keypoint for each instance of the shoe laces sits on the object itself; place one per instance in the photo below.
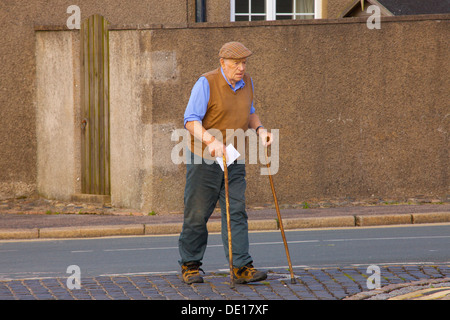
(193, 268)
(248, 267)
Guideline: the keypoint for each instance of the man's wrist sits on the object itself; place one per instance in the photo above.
(257, 128)
(211, 140)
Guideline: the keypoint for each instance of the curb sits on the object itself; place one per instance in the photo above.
(215, 226)
(91, 231)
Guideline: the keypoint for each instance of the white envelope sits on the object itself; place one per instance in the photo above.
(232, 154)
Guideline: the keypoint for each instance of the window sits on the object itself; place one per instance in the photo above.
(294, 9)
(249, 10)
(253, 10)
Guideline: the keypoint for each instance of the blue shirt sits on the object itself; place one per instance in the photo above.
(198, 102)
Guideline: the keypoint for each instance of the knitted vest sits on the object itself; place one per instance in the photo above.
(226, 110)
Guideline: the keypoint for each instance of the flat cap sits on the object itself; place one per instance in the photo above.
(234, 50)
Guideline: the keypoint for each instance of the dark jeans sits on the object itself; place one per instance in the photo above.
(204, 186)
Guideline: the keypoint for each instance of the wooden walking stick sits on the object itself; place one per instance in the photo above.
(293, 281)
(227, 202)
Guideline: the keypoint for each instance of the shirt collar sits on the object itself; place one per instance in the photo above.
(240, 84)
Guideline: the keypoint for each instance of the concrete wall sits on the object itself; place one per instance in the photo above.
(361, 112)
(58, 114)
(143, 176)
(18, 96)
(131, 119)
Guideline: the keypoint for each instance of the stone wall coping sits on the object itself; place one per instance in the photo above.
(250, 24)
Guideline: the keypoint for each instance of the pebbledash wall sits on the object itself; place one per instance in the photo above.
(18, 61)
(360, 112)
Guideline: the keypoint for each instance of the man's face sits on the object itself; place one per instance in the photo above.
(233, 69)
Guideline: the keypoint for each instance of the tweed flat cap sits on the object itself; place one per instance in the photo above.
(234, 50)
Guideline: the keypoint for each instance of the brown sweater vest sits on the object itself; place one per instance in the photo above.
(226, 110)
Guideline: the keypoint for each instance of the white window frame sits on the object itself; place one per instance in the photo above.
(271, 10)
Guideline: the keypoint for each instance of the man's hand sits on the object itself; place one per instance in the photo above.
(266, 137)
(216, 148)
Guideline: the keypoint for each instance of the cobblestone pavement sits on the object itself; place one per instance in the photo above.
(313, 284)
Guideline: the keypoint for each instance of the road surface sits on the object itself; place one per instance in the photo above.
(418, 244)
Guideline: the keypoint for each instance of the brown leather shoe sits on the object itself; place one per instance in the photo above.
(190, 272)
(248, 273)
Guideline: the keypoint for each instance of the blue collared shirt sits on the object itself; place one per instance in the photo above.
(198, 102)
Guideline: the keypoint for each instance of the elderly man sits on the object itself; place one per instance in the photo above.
(220, 99)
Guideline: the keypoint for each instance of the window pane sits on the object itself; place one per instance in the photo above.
(284, 17)
(241, 18)
(304, 17)
(258, 6)
(241, 6)
(284, 6)
(258, 18)
(304, 6)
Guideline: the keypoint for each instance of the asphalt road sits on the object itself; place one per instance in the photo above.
(420, 244)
